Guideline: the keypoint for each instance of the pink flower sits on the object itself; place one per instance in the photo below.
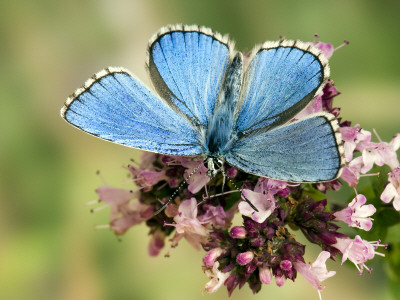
(197, 180)
(352, 136)
(131, 215)
(380, 153)
(215, 215)
(357, 251)
(188, 226)
(351, 172)
(147, 160)
(272, 186)
(147, 178)
(392, 190)
(356, 214)
(264, 203)
(156, 243)
(317, 271)
(217, 278)
(313, 107)
(124, 214)
(329, 92)
(325, 186)
(326, 49)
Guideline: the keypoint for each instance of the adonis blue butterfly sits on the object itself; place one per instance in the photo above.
(211, 101)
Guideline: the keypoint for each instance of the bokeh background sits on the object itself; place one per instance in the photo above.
(49, 248)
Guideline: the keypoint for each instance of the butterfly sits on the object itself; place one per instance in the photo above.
(213, 101)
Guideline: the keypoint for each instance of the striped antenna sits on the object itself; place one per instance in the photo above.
(238, 189)
(177, 190)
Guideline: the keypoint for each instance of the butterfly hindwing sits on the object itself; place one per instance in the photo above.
(187, 65)
(309, 150)
(115, 106)
(280, 80)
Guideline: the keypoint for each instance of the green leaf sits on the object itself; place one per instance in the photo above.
(313, 193)
(393, 268)
(387, 217)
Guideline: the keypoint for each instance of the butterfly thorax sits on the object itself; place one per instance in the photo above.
(220, 133)
(213, 164)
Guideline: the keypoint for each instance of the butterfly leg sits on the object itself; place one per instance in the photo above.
(238, 189)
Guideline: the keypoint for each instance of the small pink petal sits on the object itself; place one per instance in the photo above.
(265, 275)
(317, 271)
(279, 280)
(264, 203)
(326, 49)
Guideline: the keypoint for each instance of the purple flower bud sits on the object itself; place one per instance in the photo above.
(244, 258)
(238, 232)
(327, 238)
(231, 283)
(217, 236)
(229, 267)
(173, 182)
(284, 192)
(274, 259)
(212, 256)
(165, 159)
(269, 233)
(253, 233)
(249, 269)
(257, 242)
(232, 172)
(248, 223)
(286, 265)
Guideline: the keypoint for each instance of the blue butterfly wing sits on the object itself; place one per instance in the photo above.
(280, 80)
(187, 65)
(115, 106)
(309, 150)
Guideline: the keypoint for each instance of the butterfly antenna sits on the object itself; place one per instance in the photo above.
(240, 190)
(178, 189)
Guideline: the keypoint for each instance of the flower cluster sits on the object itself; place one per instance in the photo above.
(263, 248)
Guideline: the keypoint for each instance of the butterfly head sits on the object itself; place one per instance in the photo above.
(213, 164)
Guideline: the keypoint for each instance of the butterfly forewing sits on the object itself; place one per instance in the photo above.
(187, 65)
(115, 106)
(281, 79)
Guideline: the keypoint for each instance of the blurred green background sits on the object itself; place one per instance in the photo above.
(48, 247)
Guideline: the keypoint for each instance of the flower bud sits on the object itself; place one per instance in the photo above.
(232, 172)
(286, 265)
(238, 232)
(265, 275)
(244, 258)
(212, 256)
